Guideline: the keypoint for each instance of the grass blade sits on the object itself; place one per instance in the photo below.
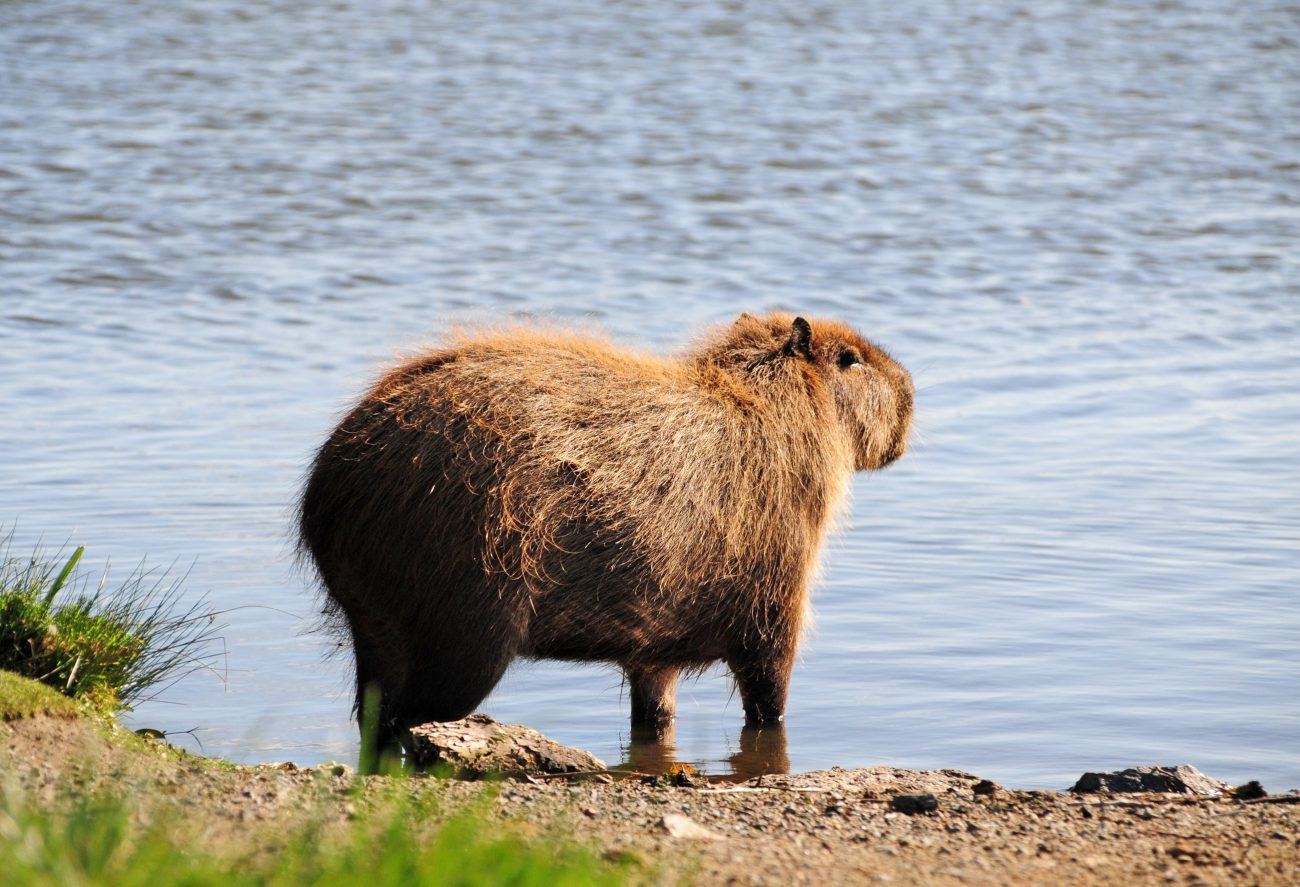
(64, 574)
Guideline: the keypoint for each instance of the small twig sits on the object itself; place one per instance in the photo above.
(192, 734)
(216, 613)
(579, 773)
(72, 675)
(731, 790)
(1124, 805)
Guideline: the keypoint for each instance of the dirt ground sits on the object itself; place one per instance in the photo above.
(827, 827)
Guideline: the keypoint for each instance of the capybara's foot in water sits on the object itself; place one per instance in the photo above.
(654, 696)
(763, 684)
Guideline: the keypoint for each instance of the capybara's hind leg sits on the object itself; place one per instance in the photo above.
(654, 695)
(453, 666)
(379, 681)
(448, 688)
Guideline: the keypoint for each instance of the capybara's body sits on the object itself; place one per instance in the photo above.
(545, 494)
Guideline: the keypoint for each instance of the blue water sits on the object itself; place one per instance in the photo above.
(1076, 224)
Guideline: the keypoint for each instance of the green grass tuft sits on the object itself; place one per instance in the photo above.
(110, 649)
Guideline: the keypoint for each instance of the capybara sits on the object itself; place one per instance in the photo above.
(544, 493)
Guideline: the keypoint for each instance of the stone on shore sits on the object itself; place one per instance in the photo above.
(679, 826)
(1182, 779)
(478, 746)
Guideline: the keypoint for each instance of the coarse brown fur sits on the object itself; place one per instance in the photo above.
(541, 493)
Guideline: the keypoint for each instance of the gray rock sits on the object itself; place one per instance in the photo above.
(1182, 779)
(478, 746)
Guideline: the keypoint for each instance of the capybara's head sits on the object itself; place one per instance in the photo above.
(872, 393)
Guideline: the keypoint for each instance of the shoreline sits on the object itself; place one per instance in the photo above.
(866, 825)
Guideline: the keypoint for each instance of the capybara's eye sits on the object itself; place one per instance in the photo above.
(849, 357)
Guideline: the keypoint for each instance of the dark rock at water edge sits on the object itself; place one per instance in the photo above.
(478, 746)
(1182, 779)
(1250, 791)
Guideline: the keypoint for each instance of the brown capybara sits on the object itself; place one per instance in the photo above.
(539, 493)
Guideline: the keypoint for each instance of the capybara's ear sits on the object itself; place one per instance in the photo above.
(797, 344)
(800, 341)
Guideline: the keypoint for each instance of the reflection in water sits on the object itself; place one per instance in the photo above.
(762, 751)
(651, 749)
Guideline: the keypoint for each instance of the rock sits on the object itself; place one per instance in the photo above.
(913, 804)
(1182, 779)
(1250, 791)
(985, 787)
(478, 746)
(679, 826)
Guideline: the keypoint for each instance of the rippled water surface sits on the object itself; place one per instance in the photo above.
(1076, 223)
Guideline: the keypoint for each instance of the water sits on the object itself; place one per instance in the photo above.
(1076, 223)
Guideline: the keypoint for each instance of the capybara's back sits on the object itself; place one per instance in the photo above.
(547, 494)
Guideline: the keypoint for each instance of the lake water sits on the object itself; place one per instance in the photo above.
(1077, 223)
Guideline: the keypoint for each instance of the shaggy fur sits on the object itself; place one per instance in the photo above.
(545, 494)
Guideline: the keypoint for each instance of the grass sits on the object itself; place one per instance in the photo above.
(400, 841)
(22, 698)
(110, 648)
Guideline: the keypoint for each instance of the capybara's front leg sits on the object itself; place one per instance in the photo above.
(763, 677)
(654, 695)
